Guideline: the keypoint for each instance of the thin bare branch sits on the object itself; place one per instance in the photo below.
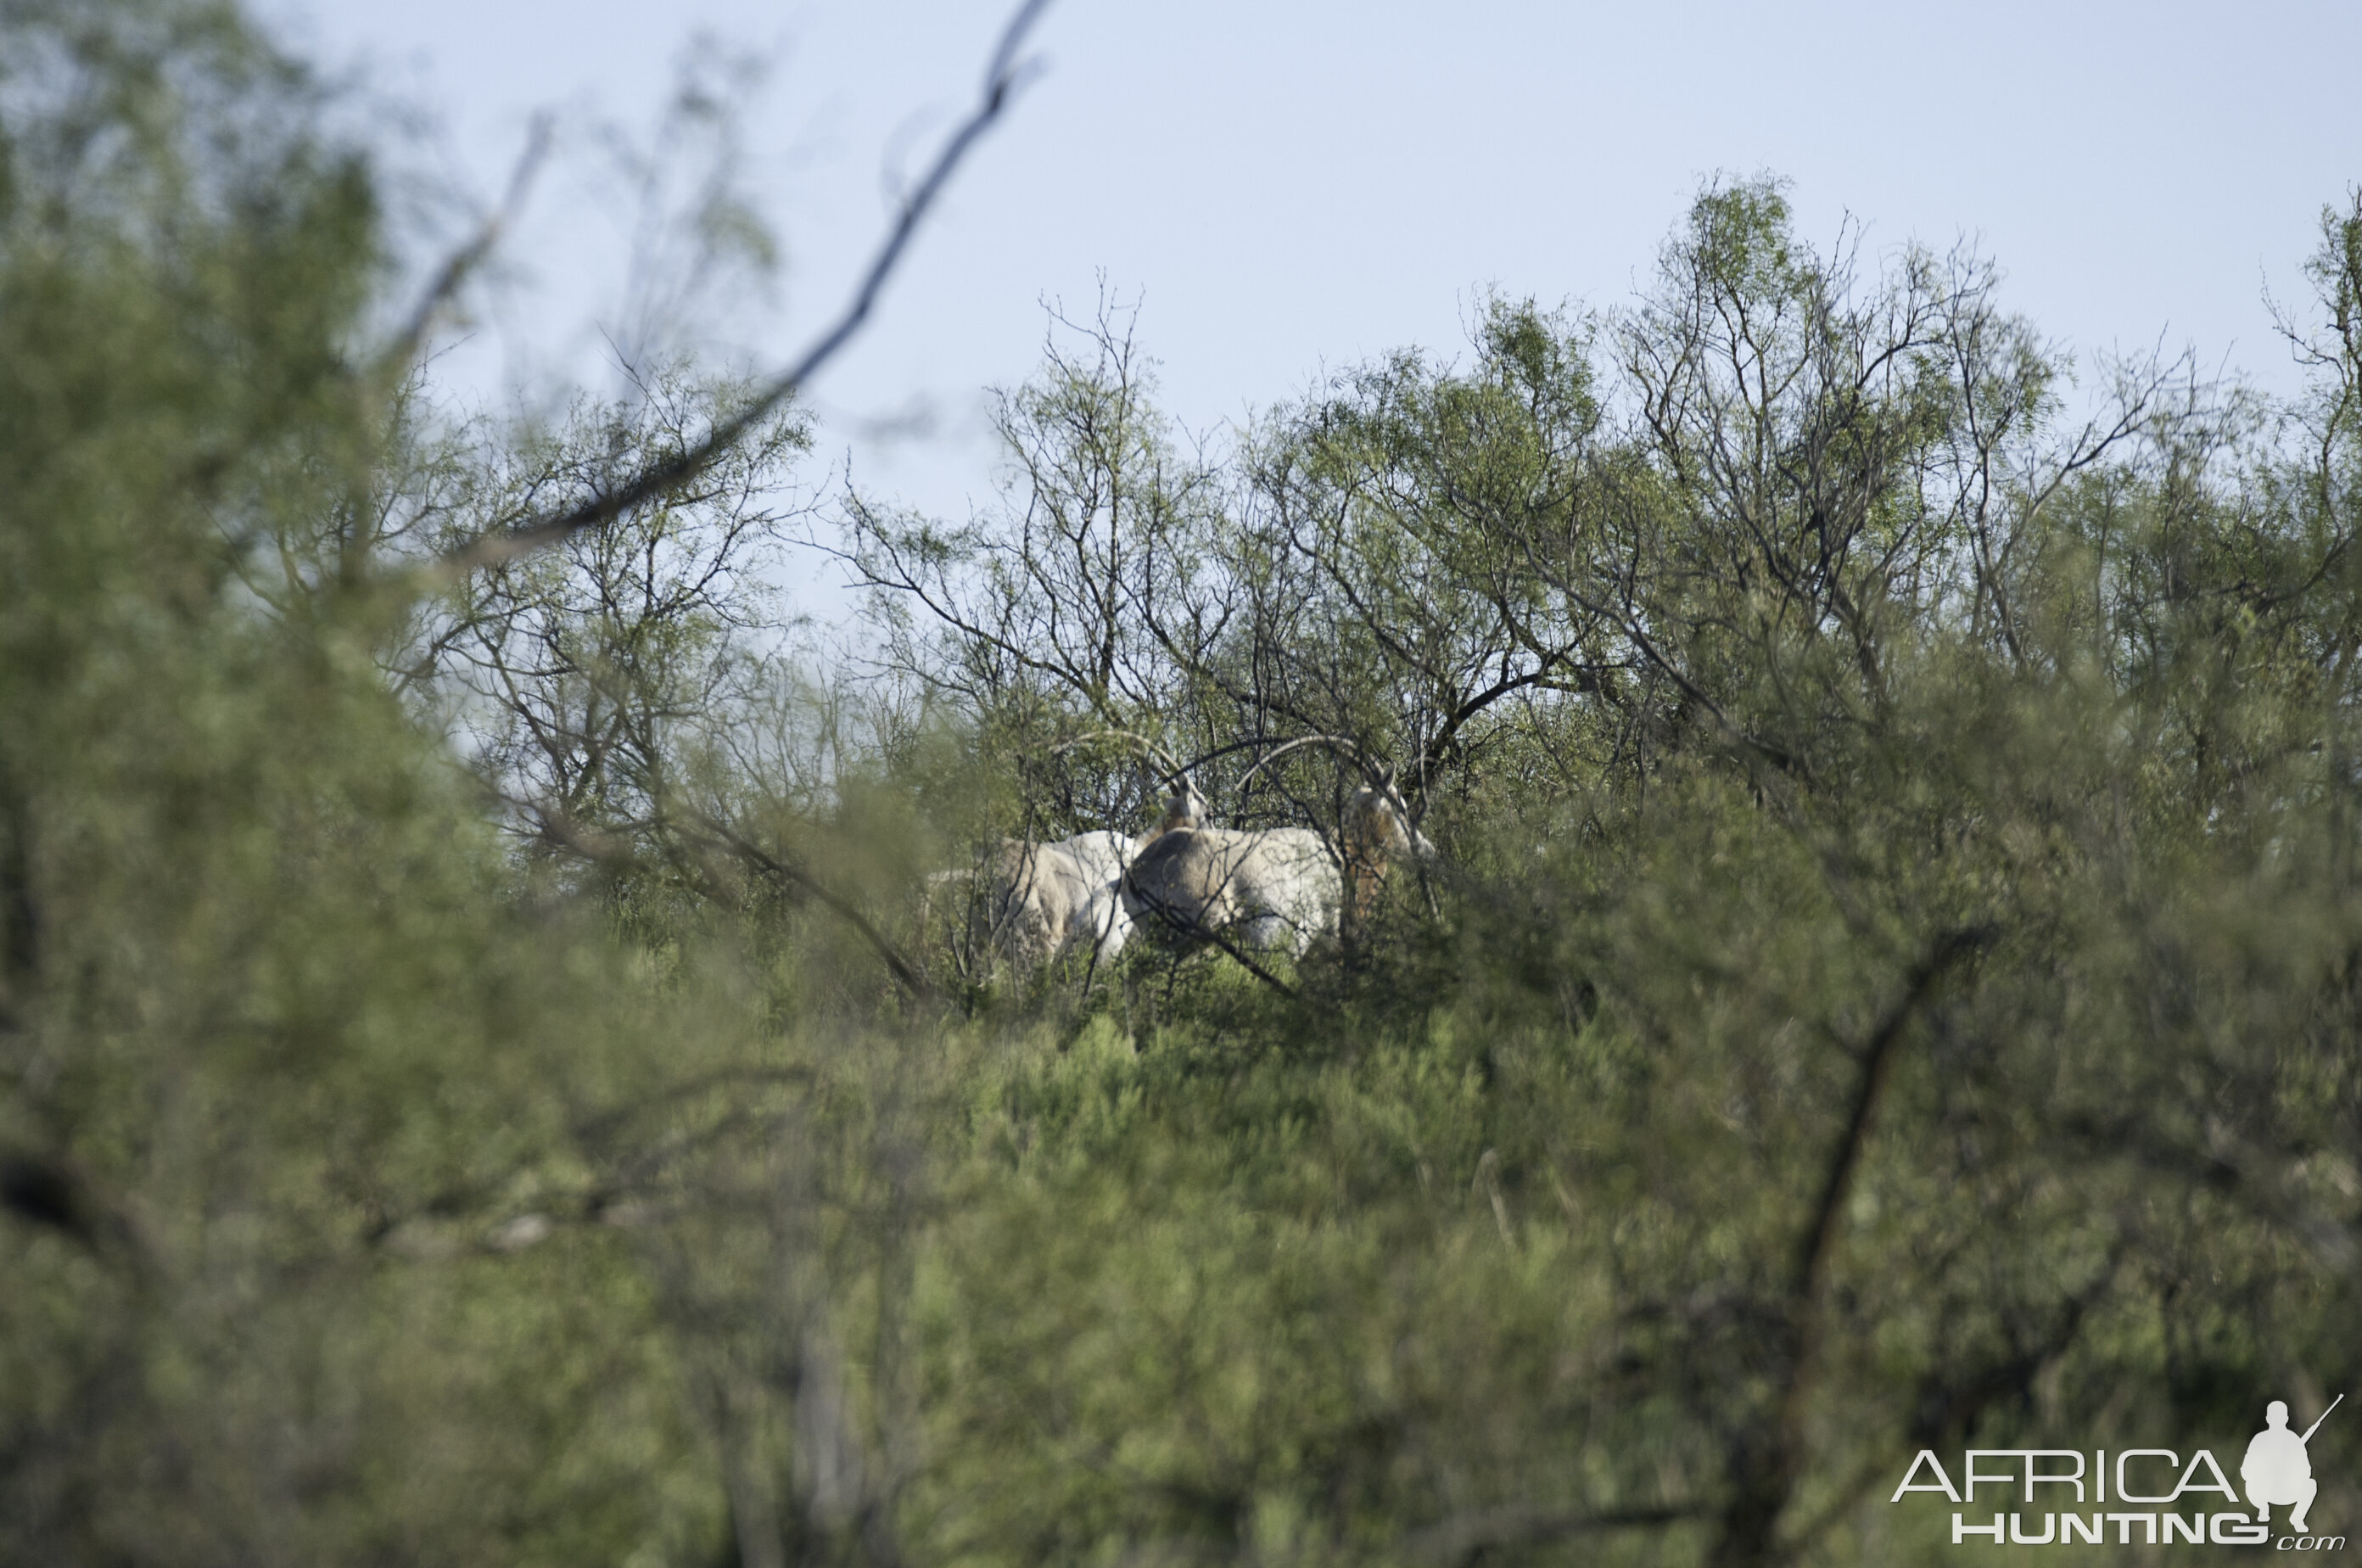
(1002, 79)
(462, 263)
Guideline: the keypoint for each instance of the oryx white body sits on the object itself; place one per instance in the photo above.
(1040, 902)
(1047, 901)
(1279, 888)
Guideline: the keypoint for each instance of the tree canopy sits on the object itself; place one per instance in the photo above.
(491, 1070)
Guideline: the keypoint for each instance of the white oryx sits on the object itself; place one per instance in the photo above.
(1279, 888)
(1046, 901)
(1043, 901)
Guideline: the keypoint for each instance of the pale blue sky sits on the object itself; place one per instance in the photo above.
(1293, 184)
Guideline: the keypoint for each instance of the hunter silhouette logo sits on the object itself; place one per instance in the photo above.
(2275, 1473)
(2278, 1469)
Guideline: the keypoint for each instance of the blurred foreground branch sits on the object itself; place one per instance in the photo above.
(1002, 77)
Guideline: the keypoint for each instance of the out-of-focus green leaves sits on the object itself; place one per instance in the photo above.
(481, 1078)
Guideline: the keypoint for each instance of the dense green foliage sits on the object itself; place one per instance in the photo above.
(480, 1080)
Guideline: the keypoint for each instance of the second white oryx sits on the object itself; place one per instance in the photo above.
(1276, 889)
